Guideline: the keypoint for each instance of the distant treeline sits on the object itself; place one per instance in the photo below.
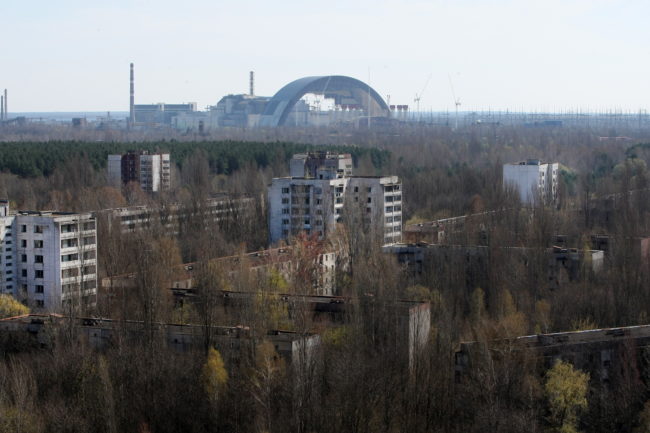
(32, 159)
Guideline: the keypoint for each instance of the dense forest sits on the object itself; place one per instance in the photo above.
(32, 159)
(360, 379)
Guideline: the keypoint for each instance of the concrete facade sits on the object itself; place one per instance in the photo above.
(151, 171)
(604, 353)
(161, 113)
(213, 210)
(563, 264)
(101, 334)
(314, 201)
(258, 267)
(533, 180)
(49, 259)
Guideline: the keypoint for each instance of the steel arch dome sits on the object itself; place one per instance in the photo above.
(332, 86)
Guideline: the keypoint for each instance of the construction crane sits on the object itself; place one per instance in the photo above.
(456, 101)
(418, 96)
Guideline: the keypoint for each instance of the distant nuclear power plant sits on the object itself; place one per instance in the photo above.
(309, 101)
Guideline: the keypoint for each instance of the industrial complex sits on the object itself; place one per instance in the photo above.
(308, 101)
(314, 101)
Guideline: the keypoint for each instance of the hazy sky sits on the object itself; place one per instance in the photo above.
(69, 55)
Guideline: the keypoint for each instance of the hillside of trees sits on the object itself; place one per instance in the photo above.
(360, 379)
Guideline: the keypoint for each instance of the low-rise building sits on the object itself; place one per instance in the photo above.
(601, 352)
(215, 209)
(562, 264)
(408, 322)
(235, 341)
(258, 267)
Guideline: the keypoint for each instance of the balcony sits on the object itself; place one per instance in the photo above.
(69, 235)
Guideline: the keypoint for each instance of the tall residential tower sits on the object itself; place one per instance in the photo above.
(151, 171)
(322, 192)
(533, 180)
(49, 259)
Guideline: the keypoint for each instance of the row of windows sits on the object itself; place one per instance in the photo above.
(307, 221)
(87, 255)
(307, 201)
(38, 288)
(302, 189)
(69, 243)
(285, 232)
(389, 209)
(69, 228)
(37, 243)
(71, 287)
(70, 257)
(73, 242)
(37, 228)
(66, 228)
(74, 272)
(37, 258)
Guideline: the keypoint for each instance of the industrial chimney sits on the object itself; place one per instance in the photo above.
(6, 109)
(132, 100)
(252, 83)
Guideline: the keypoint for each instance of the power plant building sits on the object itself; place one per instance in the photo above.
(153, 114)
(309, 101)
(162, 114)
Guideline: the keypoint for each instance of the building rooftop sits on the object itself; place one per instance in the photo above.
(46, 213)
(338, 178)
(322, 154)
(530, 161)
(574, 337)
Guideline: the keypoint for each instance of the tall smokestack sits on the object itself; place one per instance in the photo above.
(132, 99)
(252, 83)
(6, 109)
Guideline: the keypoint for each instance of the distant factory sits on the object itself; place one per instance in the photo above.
(154, 114)
(309, 101)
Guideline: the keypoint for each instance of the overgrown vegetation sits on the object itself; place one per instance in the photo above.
(362, 380)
